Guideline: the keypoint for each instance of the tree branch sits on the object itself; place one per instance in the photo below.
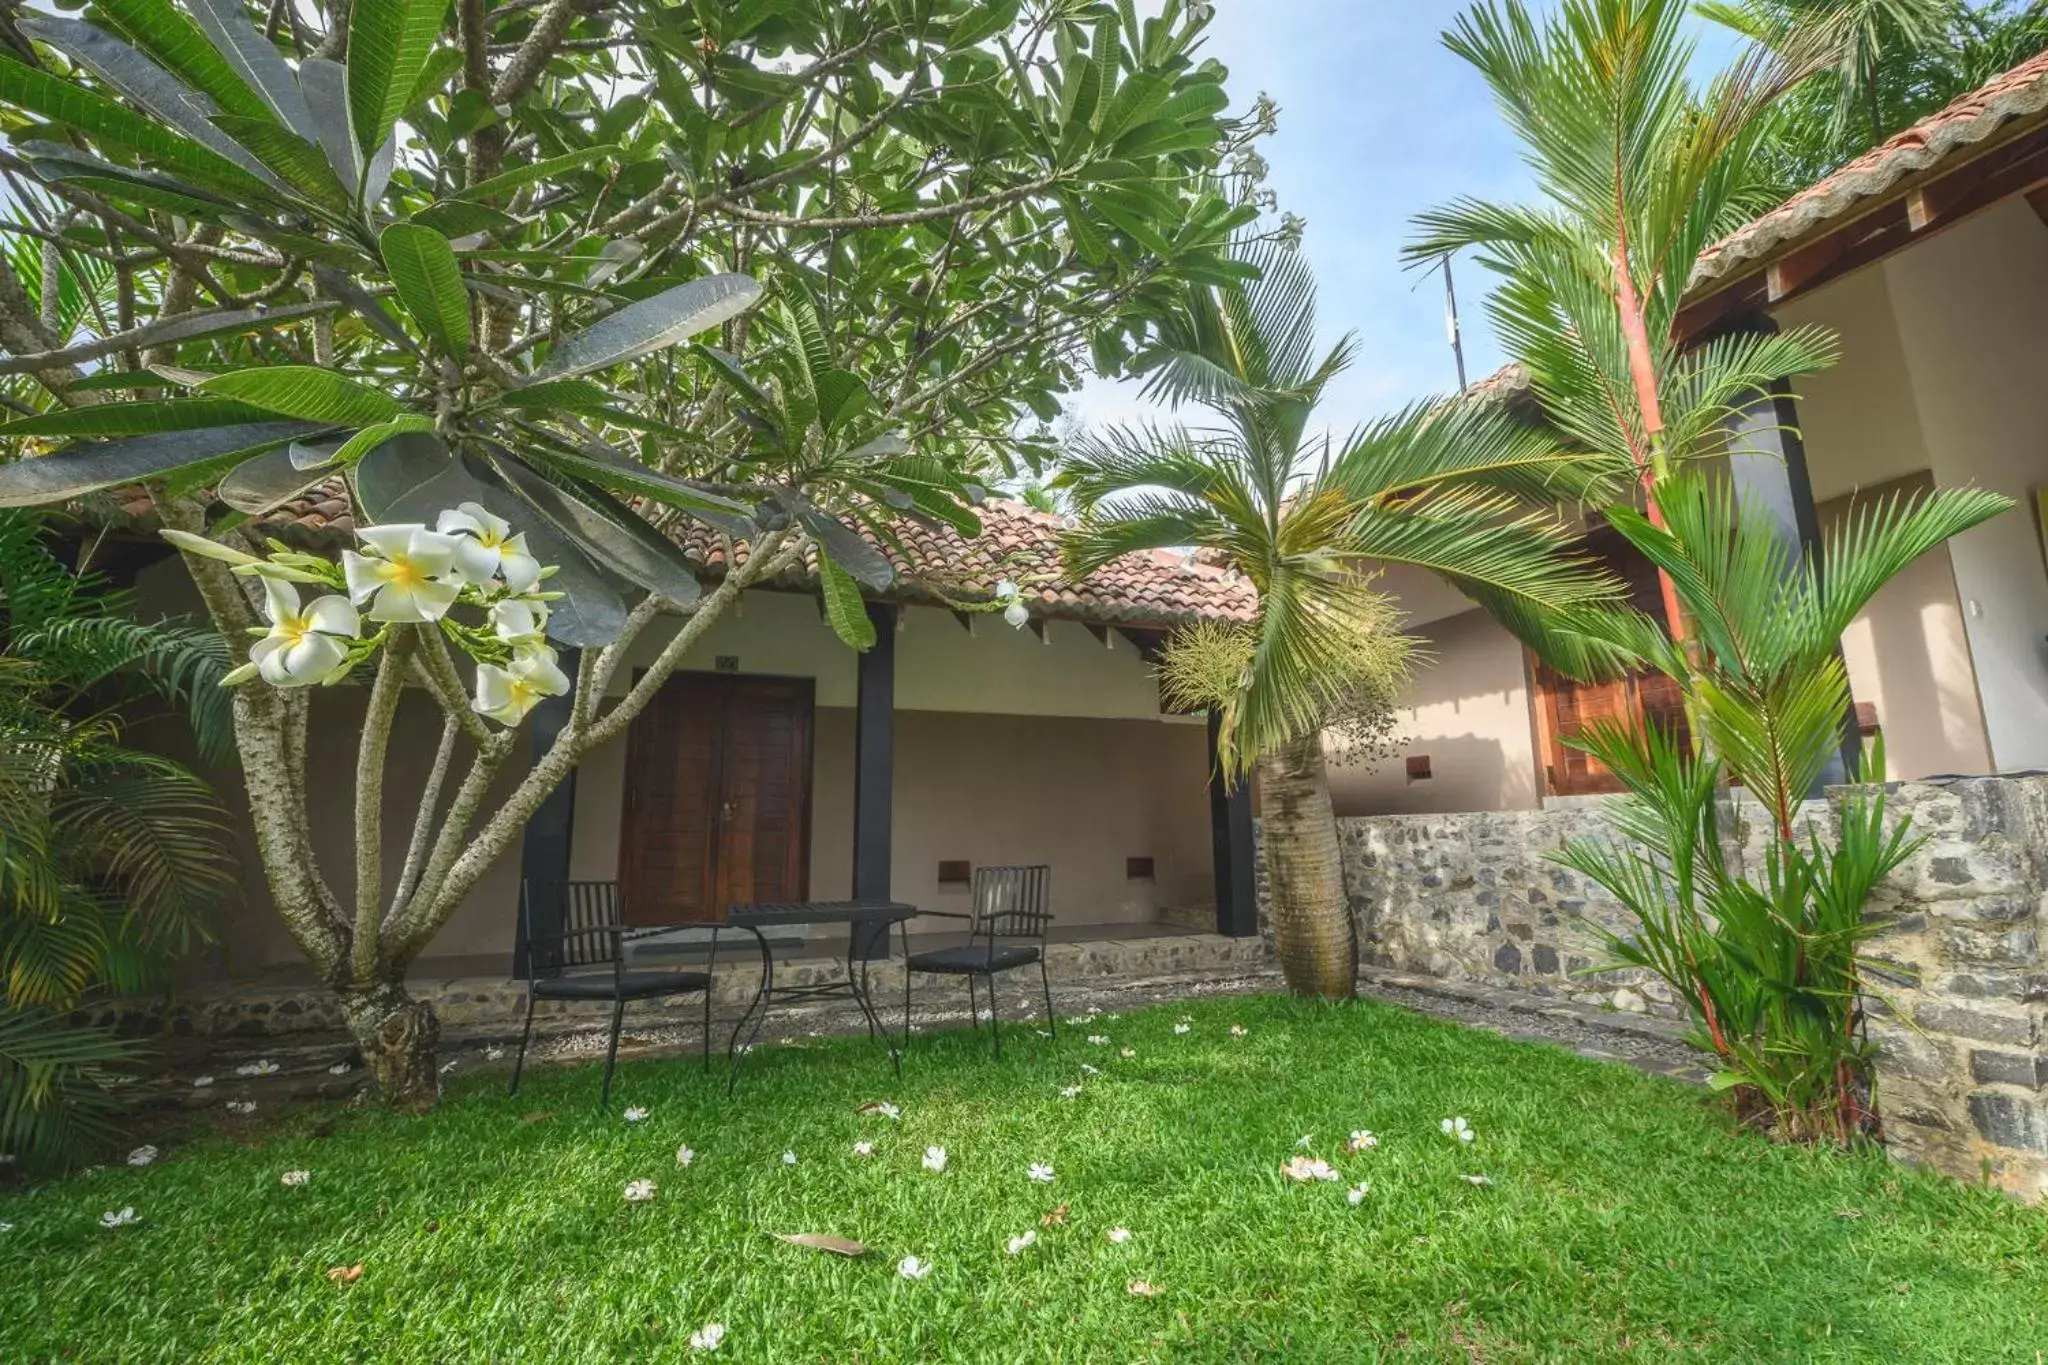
(378, 717)
(423, 821)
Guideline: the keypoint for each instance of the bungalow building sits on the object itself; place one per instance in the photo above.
(1928, 256)
(778, 764)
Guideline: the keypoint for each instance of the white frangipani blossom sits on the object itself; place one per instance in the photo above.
(863, 1148)
(507, 694)
(1458, 1128)
(1238, 1030)
(1182, 1028)
(1357, 1193)
(886, 1109)
(486, 548)
(1307, 1168)
(1090, 1069)
(684, 1156)
(122, 1219)
(6, 1227)
(302, 647)
(639, 1191)
(340, 1069)
(1099, 1039)
(789, 1158)
(201, 1082)
(1475, 1180)
(261, 1067)
(1039, 1173)
(293, 1179)
(241, 1106)
(520, 622)
(707, 1337)
(408, 576)
(142, 1156)
(1362, 1139)
(935, 1158)
(911, 1268)
(1068, 1092)
(1118, 1235)
(1024, 1239)
(636, 1113)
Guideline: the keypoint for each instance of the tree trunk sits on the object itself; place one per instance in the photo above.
(398, 1036)
(1312, 928)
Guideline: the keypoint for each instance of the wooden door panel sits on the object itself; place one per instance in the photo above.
(717, 798)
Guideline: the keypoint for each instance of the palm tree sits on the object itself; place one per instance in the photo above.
(1460, 490)
(111, 859)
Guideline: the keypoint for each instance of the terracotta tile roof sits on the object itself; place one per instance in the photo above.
(1153, 588)
(2020, 94)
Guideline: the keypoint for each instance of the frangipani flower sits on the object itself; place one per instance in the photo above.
(142, 1156)
(121, 1219)
(303, 647)
(1362, 1139)
(264, 1067)
(1039, 1172)
(1458, 1128)
(1068, 1092)
(486, 548)
(707, 1337)
(1182, 1028)
(1118, 1235)
(1144, 1289)
(789, 1158)
(520, 623)
(635, 1114)
(1475, 1180)
(507, 694)
(1307, 1168)
(241, 1106)
(1099, 1039)
(639, 1191)
(409, 576)
(293, 1179)
(340, 1069)
(1090, 1069)
(1128, 1053)
(886, 1109)
(1357, 1193)
(911, 1268)
(935, 1159)
(863, 1148)
(1027, 1238)
(6, 1227)
(684, 1156)
(201, 1082)
(1238, 1030)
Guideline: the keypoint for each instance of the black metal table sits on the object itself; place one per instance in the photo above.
(869, 924)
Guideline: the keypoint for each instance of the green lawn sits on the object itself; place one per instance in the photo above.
(1624, 1220)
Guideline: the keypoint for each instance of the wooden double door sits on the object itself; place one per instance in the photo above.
(1566, 707)
(718, 798)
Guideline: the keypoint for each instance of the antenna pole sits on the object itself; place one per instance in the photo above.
(1451, 328)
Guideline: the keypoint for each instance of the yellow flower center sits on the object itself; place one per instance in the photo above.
(404, 573)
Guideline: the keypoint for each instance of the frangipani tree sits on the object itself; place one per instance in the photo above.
(544, 287)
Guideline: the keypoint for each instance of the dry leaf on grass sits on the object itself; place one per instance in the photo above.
(1144, 1289)
(1056, 1219)
(537, 1116)
(346, 1274)
(823, 1241)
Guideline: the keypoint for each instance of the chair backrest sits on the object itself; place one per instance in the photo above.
(569, 924)
(1012, 902)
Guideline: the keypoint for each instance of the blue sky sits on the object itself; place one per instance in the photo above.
(1377, 122)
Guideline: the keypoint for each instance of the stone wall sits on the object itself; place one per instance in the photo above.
(1957, 1012)
(1958, 1002)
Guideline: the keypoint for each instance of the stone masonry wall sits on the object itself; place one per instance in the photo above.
(1958, 994)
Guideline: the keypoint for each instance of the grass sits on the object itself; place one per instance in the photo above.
(1625, 1219)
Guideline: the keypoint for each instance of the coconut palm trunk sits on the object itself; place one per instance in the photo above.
(1313, 933)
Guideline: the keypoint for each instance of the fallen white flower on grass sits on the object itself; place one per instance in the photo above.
(6, 1227)
(1475, 1180)
(911, 1268)
(340, 1069)
(1457, 1128)
(1128, 1053)
(494, 1054)
(1090, 1070)
(294, 1179)
(1144, 1289)
(1357, 1193)
(1022, 1240)
(1098, 1039)
(201, 1082)
(935, 1158)
(265, 1067)
(142, 1155)
(1118, 1235)
(1068, 1092)
(1182, 1028)
(1238, 1030)
(639, 1191)
(1306, 1168)
(1077, 1020)
(449, 1065)
(684, 1156)
(1112, 1015)
(241, 1106)
(789, 1158)
(1039, 1172)
(121, 1219)
(635, 1114)
(863, 1149)
(707, 1337)
(1362, 1139)
(1306, 1140)
(885, 1109)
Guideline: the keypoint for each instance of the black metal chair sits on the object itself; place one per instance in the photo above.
(584, 958)
(1005, 931)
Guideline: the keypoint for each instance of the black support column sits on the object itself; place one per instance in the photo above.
(544, 851)
(1230, 824)
(874, 759)
(1767, 466)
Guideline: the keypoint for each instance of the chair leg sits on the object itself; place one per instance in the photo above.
(707, 1029)
(973, 1005)
(525, 1035)
(995, 1025)
(1045, 981)
(906, 995)
(611, 1052)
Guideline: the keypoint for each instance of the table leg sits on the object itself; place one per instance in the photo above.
(763, 1001)
(857, 986)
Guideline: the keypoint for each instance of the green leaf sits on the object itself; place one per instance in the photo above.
(194, 327)
(309, 392)
(429, 282)
(642, 328)
(267, 482)
(629, 477)
(366, 440)
(844, 606)
(577, 395)
(460, 218)
(302, 165)
(388, 45)
(175, 41)
(612, 535)
(135, 418)
(255, 58)
(85, 469)
(535, 172)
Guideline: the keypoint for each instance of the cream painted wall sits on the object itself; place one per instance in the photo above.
(1968, 309)
(1860, 419)
(1468, 710)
